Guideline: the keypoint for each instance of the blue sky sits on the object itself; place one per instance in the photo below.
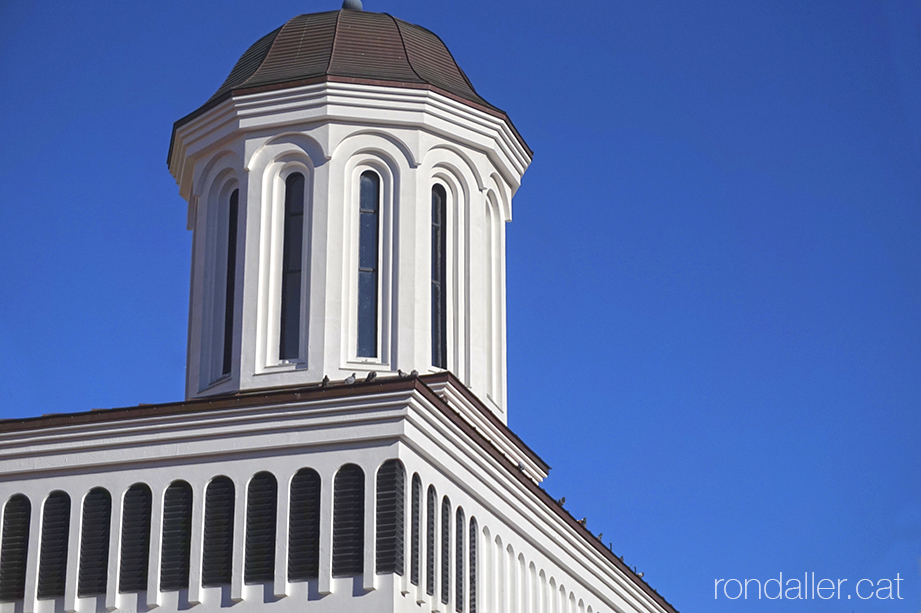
(714, 267)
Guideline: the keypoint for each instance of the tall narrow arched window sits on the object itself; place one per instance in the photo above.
(431, 514)
(445, 549)
(14, 548)
(439, 278)
(290, 329)
(391, 504)
(232, 212)
(135, 554)
(368, 263)
(176, 543)
(52, 568)
(261, 518)
(304, 526)
(348, 521)
(217, 550)
(472, 552)
(416, 521)
(460, 523)
(94, 545)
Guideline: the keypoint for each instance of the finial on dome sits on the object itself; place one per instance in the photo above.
(352, 5)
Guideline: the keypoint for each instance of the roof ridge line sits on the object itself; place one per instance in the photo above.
(396, 22)
(332, 45)
(265, 57)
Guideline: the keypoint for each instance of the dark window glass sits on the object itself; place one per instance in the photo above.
(94, 546)
(231, 279)
(52, 568)
(132, 575)
(368, 264)
(391, 505)
(431, 514)
(290, 330)
(304, 531)
(177, 537)
(416, 528)
(439, 276)
(473, 561)
(348, 521)
(459, 524)
(445, 549)
(14, 548)
(217, 555)
(261, 518)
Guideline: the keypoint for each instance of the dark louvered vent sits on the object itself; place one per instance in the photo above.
(132, 576)
(391, 517)
(431, 513)
(52, 568)
(416, 517)
(348, 521)
(261, 514)
(473, 541)
(304, 526)
(94, 545)
(217, 555)
(14, 548)
(460, 523)
(177, 537)
(445, 549)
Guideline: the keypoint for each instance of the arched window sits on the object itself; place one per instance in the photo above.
(348, 521)
(304, 530)
(439, 278)
(474, 535)
(135, 554)
(177, 537)
(290, 330)
(368, 262)
(232, 213)
(94, 546)
(445, 549)
(460, 523)
(431, 513)
(52, 569)
(416, 529)
(217, 553)
(261, 517)
(391, 504)
(14, 548)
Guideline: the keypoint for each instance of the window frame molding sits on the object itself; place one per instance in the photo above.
(455, 233)
(495, 303)
(385, 168)
(271, 254)
(214, 293)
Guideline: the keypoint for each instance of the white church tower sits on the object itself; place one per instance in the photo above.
(348, 192)
(343, 445)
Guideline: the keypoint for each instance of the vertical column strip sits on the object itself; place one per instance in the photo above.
(324, 580)
(115, 537)
(195, 550)
(281, 530)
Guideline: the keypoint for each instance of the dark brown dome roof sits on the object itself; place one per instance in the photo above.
(348, 46)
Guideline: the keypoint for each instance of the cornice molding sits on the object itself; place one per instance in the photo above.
(348, 103)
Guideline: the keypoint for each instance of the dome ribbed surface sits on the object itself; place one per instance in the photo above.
(348, 46)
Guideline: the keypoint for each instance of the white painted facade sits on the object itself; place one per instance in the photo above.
(530, 558)
(447, 427)
(331, 132)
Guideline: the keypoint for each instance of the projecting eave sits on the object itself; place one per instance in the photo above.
(342, 99)
(428, 404)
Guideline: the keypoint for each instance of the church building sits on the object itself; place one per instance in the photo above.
(343, 442)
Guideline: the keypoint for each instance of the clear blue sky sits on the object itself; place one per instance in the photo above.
(714, 266)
